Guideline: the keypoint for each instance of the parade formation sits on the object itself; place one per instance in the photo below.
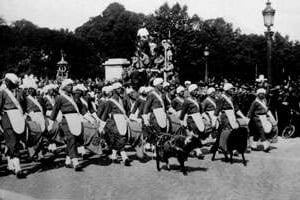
(155, 115)
(87, 119)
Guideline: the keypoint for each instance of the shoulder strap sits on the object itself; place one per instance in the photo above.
(35, 102)
(118, 105)
(50, 100)
(159, 98)
(194, 102)
(262, 104)
(71, 100)
(83, 101)
(180, 100)
(13, 99)
(212, 102)
(228, 100)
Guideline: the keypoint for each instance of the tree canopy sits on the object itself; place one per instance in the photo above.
(27, 48)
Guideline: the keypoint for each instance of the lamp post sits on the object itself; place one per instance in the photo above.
(268, 15)
(206, 54)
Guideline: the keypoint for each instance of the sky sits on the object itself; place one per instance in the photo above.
(245, 14)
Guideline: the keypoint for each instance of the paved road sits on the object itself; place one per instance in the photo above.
(267, 176)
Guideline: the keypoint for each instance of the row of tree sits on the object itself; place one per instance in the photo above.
(26, 48)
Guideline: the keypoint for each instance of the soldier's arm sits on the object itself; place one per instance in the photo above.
(56, 108)
(148, 104)
(107, 110)
(184, 110)
(251, 110)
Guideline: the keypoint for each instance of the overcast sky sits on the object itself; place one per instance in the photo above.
(245, 14)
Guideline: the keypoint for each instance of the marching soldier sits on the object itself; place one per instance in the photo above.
(209, 107)
(115, 124)
(228, 110)
(262, 122)
(35, 113)
(105, 94)
(177, 102)
(138, 108)
(71, 123)
(52, 126)
(13, 122)
(155, 109)
(191, 118)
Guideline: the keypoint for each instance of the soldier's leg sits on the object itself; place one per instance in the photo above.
(71, 148)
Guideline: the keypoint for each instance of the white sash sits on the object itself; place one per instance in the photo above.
(160, 116)
(231, 118)
(51, 100)
(230, 114)
(180, 99)
(212, 102)
(83, 101)
(197, 116)
(35, 102)
(71, 100)
(198, 121)
(194, 102)
(121, 120)
(38, 117)
(15, 116)
(74, 121)
(160, 113)
(94, 106)
(265, 122)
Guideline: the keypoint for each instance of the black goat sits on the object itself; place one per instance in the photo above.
(177, 146)
(237, 140)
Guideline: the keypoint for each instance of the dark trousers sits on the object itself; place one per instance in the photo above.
(11, 138)
(72, 141)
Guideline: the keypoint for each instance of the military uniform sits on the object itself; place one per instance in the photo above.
(177, 103)
(13, 122)
(139, 106)
(257, 125)
(209, 107)
(71, 122)
(226, 108)
(116, 127)
(155, 106)
(191, 112)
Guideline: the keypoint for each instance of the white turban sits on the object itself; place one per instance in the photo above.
(227, 86)
(166, 84)
(142, 89)
(129, 90)
(261, 91)
(179, 89)
(149, 89)
(109, 89)
(80, 87)
(65, 83)
(210, 90)
(187, 83)
(116, 85)
(29, 83)
(193, 87)
(12, 77)
(157, 81)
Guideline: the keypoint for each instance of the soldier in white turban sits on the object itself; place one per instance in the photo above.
(13, 122)
(262, 123)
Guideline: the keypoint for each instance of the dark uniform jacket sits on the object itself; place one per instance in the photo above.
(177, 103)
(189, 108)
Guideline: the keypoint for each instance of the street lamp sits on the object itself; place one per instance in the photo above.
(268, 15)
(206, 54)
